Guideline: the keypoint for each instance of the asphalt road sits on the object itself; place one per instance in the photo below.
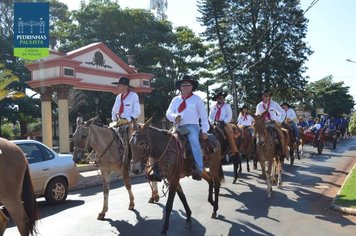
(300, 207)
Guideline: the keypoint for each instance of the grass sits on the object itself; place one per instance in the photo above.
(347, 195)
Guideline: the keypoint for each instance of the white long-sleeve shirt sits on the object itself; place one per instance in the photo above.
(131, 107)
(275, 110)
(194, 110)
(226, 113)
(244, 120)
(290, 113)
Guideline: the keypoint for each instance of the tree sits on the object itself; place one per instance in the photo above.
(260, 42)
(333, 97)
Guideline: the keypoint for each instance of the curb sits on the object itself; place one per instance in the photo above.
(335, 207)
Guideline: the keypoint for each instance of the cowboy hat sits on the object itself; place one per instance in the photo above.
(219, 94)
(123, 81)
(188, 79)
(266, 91)
(245, 106)
(285, 104)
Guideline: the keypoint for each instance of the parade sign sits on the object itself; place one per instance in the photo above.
(31, 30)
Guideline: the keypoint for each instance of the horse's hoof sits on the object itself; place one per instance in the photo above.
(213, 216)
(151, 200)
(156, 199)
(101, 216)
(234, 181)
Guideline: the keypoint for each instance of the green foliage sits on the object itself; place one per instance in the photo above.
(352, 124)
(261, 42)
(333, 97)
(347, 196)
(9, 130)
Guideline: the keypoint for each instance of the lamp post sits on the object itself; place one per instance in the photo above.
(349, 60)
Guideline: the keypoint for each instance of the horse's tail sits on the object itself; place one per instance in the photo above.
(30, 204)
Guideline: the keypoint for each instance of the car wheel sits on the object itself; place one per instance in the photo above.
(56, 191)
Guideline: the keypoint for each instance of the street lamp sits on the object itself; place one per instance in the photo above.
(349, 60)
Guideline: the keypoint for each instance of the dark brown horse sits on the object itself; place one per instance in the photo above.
(293, 143)
(267, 153)
(112, 154)
(220, 135)
(175, 163)
(16, 190)
(245, 145)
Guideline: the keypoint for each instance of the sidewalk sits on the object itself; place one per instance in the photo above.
(90, 176)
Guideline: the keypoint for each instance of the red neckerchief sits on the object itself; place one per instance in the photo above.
(266, 114)
(245, 116)
(123, 96)
(218, 113)
(183, 105)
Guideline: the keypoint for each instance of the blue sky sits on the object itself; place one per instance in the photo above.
(331, 34)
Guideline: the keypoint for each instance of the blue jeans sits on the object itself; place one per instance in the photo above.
(193, 137)
(295, 129)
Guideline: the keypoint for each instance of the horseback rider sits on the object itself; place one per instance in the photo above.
(274, 115)
(126, 106)
(291, 118)
(245, 119)
(186, 110)
(301, 123)
(315, 129)
(221, 113)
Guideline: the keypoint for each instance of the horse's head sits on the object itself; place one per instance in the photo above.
(259, 125)
(80, 138)
(140, 146)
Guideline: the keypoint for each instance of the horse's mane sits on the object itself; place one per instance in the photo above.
(160, 131)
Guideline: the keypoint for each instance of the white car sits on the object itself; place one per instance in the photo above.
(52, 173)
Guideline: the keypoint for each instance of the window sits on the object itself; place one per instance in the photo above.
(68, 72)
(145, 83)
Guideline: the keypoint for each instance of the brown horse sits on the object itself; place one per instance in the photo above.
(16, 190)
(220, 135)
(111, 152)
(245, 145)
(266, 150)
(175, 163)
(292, 141)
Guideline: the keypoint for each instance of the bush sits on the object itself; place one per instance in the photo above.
(352, 125)
(7, 131)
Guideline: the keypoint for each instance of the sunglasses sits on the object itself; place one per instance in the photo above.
(221, 98)
(185, 85)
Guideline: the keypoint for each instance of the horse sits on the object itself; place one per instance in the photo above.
(112, 153)
(266, 150)
(244, 142)
(16, 190)
(292, 141)
(175, 162)
(220, 135)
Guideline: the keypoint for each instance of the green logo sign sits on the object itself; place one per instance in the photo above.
(31, 30)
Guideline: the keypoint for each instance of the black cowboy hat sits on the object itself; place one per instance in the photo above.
(285, 104)
(266, 91)
(219, 94)
(187, 78)
(123, 81)
(245, 106)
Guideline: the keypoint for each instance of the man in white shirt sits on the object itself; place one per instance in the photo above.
(127, 105)
(186, 110)
(291, 118)
(221, 113)
(274, 114)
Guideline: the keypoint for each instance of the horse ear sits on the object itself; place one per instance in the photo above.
(134, 125)
(251, 114)
(147, 124)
